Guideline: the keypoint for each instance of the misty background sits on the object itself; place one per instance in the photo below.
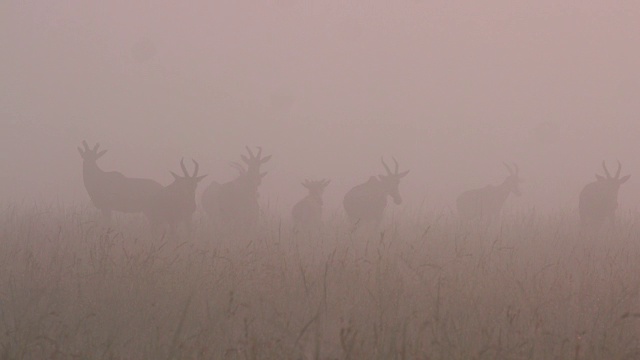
(451, 89)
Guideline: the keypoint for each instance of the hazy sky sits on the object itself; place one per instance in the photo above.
(451, 88)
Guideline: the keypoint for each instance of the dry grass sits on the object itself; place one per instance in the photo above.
(425, 288)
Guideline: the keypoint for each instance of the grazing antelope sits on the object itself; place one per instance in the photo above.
(486, 203)
(307, 213)
(235, 203)
(599, 199)
(366, 202)
(176, 202)
(110, 190)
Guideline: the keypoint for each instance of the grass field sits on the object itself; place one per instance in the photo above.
(421, 288)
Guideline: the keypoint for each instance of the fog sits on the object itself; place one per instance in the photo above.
(451, 89)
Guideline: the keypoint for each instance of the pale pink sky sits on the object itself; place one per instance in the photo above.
(451, 89)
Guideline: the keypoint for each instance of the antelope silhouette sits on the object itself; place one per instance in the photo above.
(486, 203)
(599, 199)
(176, 202)
(235, 203)
(307, 213)
(110, 190)
(365, 203)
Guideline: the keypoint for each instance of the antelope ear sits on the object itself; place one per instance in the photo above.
(624, 179)
(600, 177)
(403, 174)
(265, 159)
(199, 178)
(99, 155)
(175, 176)
(245, 159)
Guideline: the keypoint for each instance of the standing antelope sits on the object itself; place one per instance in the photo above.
(366, 202)
(235, 203)
(307, 213)
(110, 190)
(176, 202)
(599, 199)
(486, 203)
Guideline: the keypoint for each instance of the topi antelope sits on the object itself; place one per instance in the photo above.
(235, 203)
(176, 202)
(110, 190)
(366, 202)
(487, 202)
(599, 199)
(307, 213)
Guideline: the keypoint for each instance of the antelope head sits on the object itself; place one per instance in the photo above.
(253, 165)
(513, 181)
(187, 183)
(391, 181)
(316, 188)
(90, 155)
(611, 184)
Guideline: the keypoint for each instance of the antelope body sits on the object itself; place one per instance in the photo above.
(599, 199)
(366, 202)
(307, 213)
(176, 202)
(110, 190)
(487, 202)
(236, 202)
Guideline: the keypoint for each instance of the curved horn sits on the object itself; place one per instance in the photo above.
(619, 169)
(508, 168)
(259, 152)
(238, 167)
(515, 166)
(606, 172)
(250, 152)
(385, 166)
(95, 148)
(195, 171)
(396, 164)
(86, 146)
(184, 168)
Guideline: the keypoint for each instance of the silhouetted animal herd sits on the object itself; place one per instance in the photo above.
(234, 205)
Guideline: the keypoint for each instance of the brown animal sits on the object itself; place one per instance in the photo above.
(110, 190)
(307, 213)
(175, 203)
(599, 199)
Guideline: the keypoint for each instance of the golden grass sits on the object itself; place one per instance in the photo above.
(424, 288)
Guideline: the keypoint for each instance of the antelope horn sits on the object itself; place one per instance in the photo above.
(619, 169)
(397, 167)
(184, 168)
(238, 167)
(195, 171)
(259, 152)
(385, 166)
(250, 152)
(508, 168)
(515, 166)
(86, 146)
(95, 148)
(604, 166)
